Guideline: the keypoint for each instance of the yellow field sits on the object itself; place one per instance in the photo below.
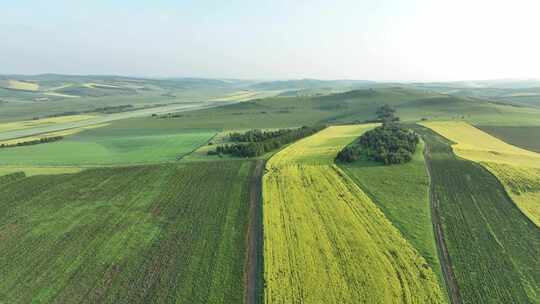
(63, 133)
(325, 241)
(20, 85)
(26, 124)
(322, 148)
(29, 171)
(476, 145)
(238, 96)
(517, 169)
(60, 95)
(523, 186)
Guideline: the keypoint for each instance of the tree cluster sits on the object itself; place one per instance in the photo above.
(257, 148)
(33, 142)
(389, 143)
(257, 135)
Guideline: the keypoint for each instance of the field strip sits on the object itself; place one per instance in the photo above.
(325, 241)
(444, 257)
(493, 248)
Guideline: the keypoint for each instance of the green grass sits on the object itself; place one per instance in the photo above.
(493, 247)
(147, 234)
(402, 193)
(119, 143)
(526, 137)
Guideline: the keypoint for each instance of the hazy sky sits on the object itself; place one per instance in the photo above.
(357, 39)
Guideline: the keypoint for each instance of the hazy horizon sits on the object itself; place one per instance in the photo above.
(390, 40)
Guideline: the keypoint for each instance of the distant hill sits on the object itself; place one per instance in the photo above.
(310, 84)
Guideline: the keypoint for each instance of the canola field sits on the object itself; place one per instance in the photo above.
(516, 168)
(523, 186)
(325, 241)
(474, 144)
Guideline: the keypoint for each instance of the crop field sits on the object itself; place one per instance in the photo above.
(63, 133)
(322, 148)
(146, 234)
(19, 85)
(20, 125)
(325, 241)
(401, 191)
(473, 144)
(523, 186)
(526, 137)
(113, 144)
(493, 247)
(497, 156)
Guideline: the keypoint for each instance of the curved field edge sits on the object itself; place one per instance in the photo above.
(493, 247)
(510, 164)
(410, 213)
(140, 234)
(325, 241)
(522, 185)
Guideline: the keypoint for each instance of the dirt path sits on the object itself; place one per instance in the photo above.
(444, 257)
(255, 237)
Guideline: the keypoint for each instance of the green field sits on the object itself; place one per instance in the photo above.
(325, 241)
(493, 247)
(401, 191)
(526, 137)
(118, 143)
(147, 234)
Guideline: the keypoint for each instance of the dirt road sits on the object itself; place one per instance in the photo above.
(444, 257)
(254, 285)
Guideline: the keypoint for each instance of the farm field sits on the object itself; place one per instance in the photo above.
(117, 143)
(401, 191)
(146, 234)
(526, 137)
(473, 144)
(523, 186)
(27, 124)
(493, 247)
(515, 167)
(325, 241)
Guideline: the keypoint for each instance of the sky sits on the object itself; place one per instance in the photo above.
(389, 40)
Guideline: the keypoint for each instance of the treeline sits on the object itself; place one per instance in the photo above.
(258, 148)
(388, 144)
(33, 142)
(257, 135)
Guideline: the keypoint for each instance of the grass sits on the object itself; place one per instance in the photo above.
(526, 137)
(402, 193)
(118, 143)
(26, 124)
(473, 144)
(324, 239)
(153, 234)
(493, 247)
